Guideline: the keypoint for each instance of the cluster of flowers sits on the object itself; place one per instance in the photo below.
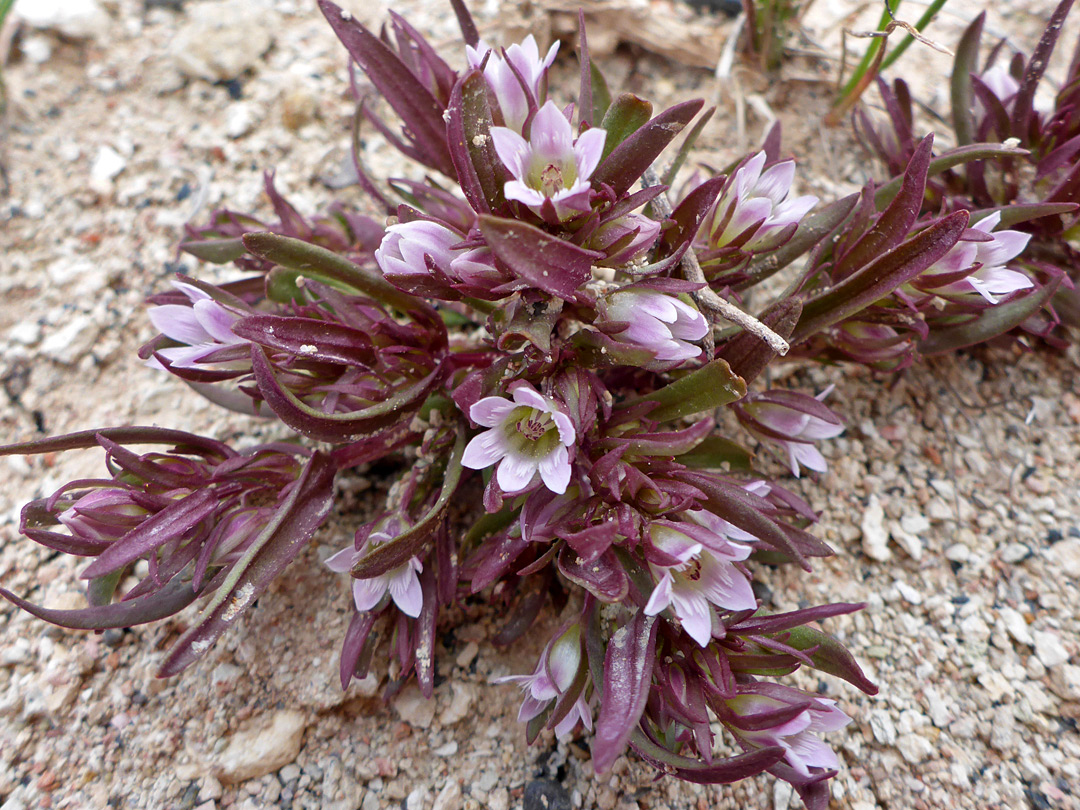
(542, 336)
(1014, 165)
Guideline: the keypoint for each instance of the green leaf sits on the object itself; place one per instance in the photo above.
(308, 259)
(623, 117)
(991, 322)
(704, 389)
(407, 544)
(830, 656)
(215, 251)
(879, 278)
(717, 453)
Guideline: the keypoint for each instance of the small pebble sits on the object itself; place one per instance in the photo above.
(544, 794)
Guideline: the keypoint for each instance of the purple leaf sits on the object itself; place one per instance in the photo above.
(481, 174)
(308, 338)
(629, 160)
(181, 441)
(603, 576)
(1022, 104)
(965, 64)
(337, 427)
(896, 220)
(169, 524)
(628, 663)
(397, 551)
(544, 261)
(356, 637)
(879, 278)
(168, 601)
(292, 525)
(418, 108)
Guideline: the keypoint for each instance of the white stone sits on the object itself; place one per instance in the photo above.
(25, 332)
(71, 341)
(781, 795)
(914, 523)
(910, 594)
(223, 40)
(414, 708)
(875, 538)
(1066, 555)
(447, 750)
(909, 542)
(1015, 552)
(265, 743)
(1049, 649)
(914, 748)
(1065, 682)
(460, 704)
(449, 797)
(37, 48)
(239, 120)
(1016, 625)
(958, 552)
(108, 163)
(882, 727)
(78, 19)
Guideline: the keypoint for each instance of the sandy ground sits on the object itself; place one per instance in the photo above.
(967, 467)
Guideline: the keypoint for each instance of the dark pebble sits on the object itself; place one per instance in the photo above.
(1054, 536)
(235, 89)
(112, 637)
(729, 7)
(543, 794)
(184, 192)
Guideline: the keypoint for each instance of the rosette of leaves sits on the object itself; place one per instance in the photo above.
(1010, 158)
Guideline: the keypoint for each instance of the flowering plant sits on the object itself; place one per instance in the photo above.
(555, 338)
(1014, 169)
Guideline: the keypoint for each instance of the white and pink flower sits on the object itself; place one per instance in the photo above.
(657, 321)
(525, 58)
(697, 574)
(527, 435)
(759, 202)
(798, 736)
(402, 583)
(203, 328)
(793, 421)
(408, 246)
(551, 165)
(991, 278)
(554, 674)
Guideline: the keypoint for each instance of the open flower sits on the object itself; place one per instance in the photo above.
(554, 674)
(402, 583)
(796, 735)
(991, 278)
(551, 165)
(793, 421)
(204, 328)
(529, 434)
(694, 570)
(755, 206)
(657, 321)
(525, 58)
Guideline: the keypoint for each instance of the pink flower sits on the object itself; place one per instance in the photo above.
(105, 514)
(803, 750)
(527, 435)
(554, 674)
(408, 246)
(551, 165)
(402, 582)
(1001, 83)
(757, 202)
(500, 76)
(991, 279)
(694, 570)
(657, 321)
(204, 327)
(794, 421)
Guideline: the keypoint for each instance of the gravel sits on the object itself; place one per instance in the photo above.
(956, 520)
